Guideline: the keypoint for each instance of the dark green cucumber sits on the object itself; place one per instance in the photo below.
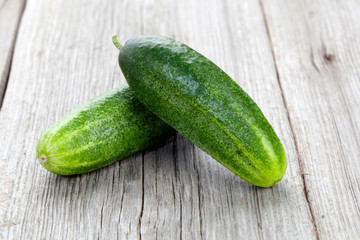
(109, 127)
(202, 102)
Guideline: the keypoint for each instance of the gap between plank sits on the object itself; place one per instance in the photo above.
(199, 197)
(13, 44)
(176, 181)
(258, 214)
(300, 160)
(142, 196)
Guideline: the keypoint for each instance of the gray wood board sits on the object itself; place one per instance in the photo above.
(317, 54)
(299, 61)
(10, 15)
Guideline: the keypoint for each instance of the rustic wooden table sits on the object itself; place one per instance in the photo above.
(299, 60)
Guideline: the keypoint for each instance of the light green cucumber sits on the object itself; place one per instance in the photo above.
(109, 127)
(202, 102)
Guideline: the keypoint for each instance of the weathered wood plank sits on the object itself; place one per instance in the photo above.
(316, 47)
(10, 15)
(230, 208)
(65, 56)
(58, 65)
(216, 36)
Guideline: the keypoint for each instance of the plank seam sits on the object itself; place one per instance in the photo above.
(122, 196)
(199, 197)
(176, 180)
(101, 220)
(300, 160)
(142, 196)
(13, 44)
(258, 214)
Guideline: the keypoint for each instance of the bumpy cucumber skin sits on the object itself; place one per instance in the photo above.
(202, 102)
(109, 127)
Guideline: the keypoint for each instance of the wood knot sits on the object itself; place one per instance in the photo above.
(329, 57)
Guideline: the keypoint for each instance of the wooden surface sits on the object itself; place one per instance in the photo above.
(10, 14)
(299, 60)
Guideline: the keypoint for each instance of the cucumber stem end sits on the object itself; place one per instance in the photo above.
(116, 43)
(43, 159)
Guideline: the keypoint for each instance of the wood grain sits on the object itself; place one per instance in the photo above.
(299, 61)
(10, 15)
(246, 55)
(317, 54)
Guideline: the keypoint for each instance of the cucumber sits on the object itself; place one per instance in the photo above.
(203, 103)
(109, 127)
